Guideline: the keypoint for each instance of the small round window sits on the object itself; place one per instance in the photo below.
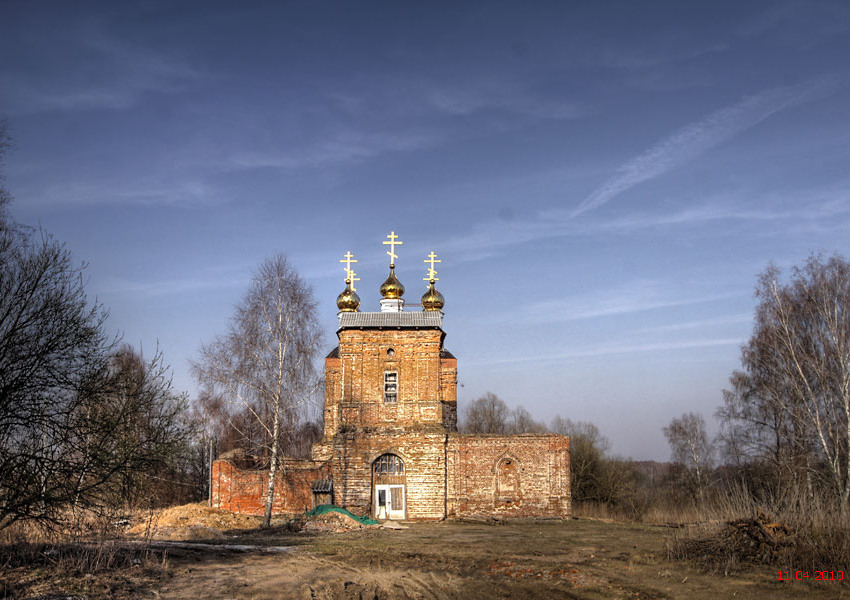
(390, 351)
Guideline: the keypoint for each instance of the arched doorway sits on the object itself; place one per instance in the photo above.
(388, 483)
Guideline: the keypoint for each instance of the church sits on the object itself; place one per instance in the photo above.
(391, 448)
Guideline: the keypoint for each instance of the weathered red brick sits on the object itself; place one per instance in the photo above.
(446, 474)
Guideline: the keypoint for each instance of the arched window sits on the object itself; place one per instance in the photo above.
(389, 464)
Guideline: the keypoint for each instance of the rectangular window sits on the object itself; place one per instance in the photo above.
(390, 386)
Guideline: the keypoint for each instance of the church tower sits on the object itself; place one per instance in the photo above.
(391, 449)
(390, 370)
(390, 399)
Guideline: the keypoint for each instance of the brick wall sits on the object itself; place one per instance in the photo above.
(448, 392)
(423, 454)
(244, 491)
(450, 475)
(354, 382)
(508, 475)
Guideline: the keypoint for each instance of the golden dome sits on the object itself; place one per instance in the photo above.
(392, 287)
(432, 299)
(348, 300)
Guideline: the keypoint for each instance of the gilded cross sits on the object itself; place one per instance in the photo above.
(432, 274)
(348, 259)
(352, 278)
(392, 243)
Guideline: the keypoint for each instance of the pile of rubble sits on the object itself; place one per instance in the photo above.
(192, 521)
(333, 519)
(333, 522)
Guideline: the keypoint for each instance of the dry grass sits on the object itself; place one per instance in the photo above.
(190, 522)
(816, 538)
(75, 557)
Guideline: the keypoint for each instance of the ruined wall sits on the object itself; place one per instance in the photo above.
(448, 392)
(423, 454)
(524, 475)
(452, 475)
(332, 395)
(244, 491)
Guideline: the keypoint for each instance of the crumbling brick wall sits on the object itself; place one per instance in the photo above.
(244, 490)
(452, 475)
(524, 475)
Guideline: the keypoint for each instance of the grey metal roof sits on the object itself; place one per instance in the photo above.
(417, 318)
(323, 486)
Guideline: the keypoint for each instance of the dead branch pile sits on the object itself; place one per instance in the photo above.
(758, 539)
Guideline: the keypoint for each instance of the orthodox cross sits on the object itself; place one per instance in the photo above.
(348, 259)
(352, 278)
(392, 243)
(432, 274)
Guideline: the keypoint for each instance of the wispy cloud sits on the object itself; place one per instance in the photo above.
(129, 190)
(166, 287)
(611, 349)
(116, 76)
(471, 99)
(700, 324)
(633, 297)
(696, 138)
(344, 146)
(788, 211)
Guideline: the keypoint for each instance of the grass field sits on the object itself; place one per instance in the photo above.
(582, 558)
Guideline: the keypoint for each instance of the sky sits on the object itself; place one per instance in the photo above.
(603, 181)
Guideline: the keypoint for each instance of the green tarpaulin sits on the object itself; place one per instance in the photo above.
(326, 508)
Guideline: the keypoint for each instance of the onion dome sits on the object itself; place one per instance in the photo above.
(348, 300)
(392, 288)
(432, 299)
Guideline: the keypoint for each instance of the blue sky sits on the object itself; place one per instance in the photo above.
(603, 181)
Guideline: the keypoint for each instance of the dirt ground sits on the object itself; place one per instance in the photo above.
(578, 559)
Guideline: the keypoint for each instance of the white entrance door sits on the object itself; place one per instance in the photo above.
(389, 501)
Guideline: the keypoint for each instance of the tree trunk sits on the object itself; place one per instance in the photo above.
(267, 518)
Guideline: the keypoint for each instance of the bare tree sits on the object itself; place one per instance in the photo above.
(5, 145)
(793, 398)
(265, 362)
(588, 474)
(51, 345)
(75, 418)
(487, 414)
(74, 422)
(521, 421)
(691, 447)
(145, 420)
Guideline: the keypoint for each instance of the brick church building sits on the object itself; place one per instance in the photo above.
(391, 449)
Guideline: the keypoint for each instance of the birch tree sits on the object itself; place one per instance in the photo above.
(691, 448)
(793, 397)
(265, 361)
